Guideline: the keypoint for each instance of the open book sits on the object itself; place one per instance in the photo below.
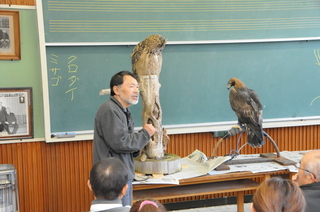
(194, 165)
(197, 164)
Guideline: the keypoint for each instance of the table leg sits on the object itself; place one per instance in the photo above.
(266, 177)
(240, 201)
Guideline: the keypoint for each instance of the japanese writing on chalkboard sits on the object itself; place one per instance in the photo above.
(64, 73)
(317, 55)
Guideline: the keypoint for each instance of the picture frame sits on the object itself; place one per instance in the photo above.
(16, 113)
(10, 35)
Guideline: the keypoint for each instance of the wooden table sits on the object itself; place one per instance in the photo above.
(231, 182)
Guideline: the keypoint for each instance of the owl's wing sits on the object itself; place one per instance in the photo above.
(135, 56)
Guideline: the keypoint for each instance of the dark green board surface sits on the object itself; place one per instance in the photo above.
(286, 76)
(179, 20)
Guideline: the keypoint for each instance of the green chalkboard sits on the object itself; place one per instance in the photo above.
(179, 20)
(286, 76)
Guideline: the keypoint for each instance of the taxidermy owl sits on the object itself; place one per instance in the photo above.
(146, 60)
(146, 57)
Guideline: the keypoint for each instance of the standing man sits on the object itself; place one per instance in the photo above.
(114, 134)
(308, 177)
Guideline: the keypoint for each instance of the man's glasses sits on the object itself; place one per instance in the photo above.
(297, 165)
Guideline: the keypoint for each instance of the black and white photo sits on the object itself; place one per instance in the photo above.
(9, 35)
(16, 120)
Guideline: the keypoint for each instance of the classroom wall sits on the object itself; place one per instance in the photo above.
(26, 72)
(52, 176)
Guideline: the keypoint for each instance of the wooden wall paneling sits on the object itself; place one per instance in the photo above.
(297, 139)
(316, 139)
(26, 159)
(28, 178)
(52, 176)
(313, 137)
(292, 138)
(51, 202)
(302, 138)
(32, 182)
(74, 173)
(61, 174)
(69, 164)
(308, 139)
(67, 181)
(19, 2)
(82, 178)
(87, 165)
(296, 145)
(82, 166)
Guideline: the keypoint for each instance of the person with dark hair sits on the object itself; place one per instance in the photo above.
(11, 122)
(5, 40)
(114, 134)
(278, 195)
(147, 205)
(1, 38)
(108, 181)
(308, 178)
(3, 117)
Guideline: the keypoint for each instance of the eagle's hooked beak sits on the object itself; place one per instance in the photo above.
(229, 86)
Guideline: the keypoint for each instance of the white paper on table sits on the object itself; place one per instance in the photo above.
(197, 164)
(167, 179)
(252, 167)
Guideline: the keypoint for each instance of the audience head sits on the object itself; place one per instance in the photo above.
(278, 195)
(147, 205)
(309, 168)
(108, 179)
(118, 79)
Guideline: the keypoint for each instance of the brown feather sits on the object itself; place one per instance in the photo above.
(246, 104)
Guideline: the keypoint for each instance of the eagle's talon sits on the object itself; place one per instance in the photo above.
(237, 126)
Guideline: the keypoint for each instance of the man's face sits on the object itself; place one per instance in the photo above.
(304, 178)
(128, 92)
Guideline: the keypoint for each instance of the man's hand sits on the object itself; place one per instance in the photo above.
(151, 130)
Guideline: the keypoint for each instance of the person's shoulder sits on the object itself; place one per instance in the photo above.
(106, 105)
(112, 102)
(126, 209)
(120, 209)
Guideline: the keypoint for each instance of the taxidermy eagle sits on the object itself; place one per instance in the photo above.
(246, 104)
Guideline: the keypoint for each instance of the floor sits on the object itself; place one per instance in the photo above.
(224, 208)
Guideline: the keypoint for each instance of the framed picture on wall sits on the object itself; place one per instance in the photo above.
(9, 35)
(16, 115)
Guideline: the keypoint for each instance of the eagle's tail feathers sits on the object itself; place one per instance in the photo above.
(255, 140)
